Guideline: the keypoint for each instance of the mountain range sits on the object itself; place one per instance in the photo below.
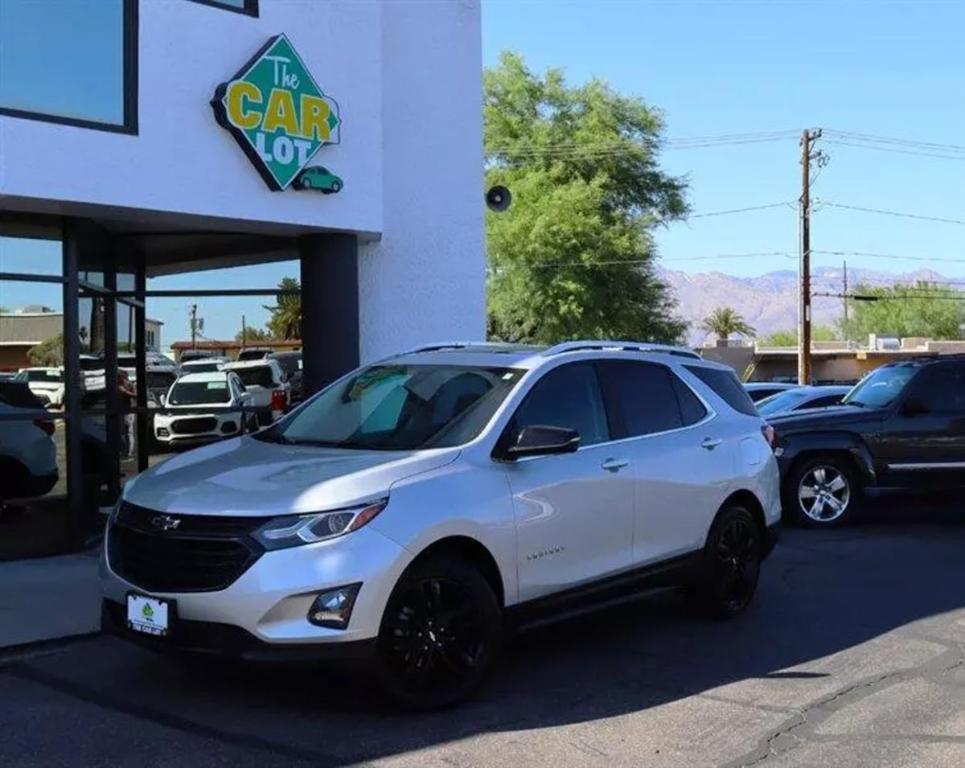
(769, 302)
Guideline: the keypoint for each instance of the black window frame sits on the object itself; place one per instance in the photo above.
(250, 7)
(129, 48)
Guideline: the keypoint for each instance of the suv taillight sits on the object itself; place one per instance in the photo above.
(278, 401)
(768, 431)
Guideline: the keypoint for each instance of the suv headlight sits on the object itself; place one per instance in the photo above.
(295, 530)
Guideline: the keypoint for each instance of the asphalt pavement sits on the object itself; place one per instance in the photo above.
(852, 655)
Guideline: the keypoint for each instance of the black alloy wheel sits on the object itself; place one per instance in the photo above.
(440, 632)
(732, 563)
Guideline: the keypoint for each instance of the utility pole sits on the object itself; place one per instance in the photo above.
(244, 333)
(845, 292)
(194, 326)
(808, 137)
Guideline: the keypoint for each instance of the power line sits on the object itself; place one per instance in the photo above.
(785, 204)
(894, 149)
(893, 256)
(877, 139)
(656, 260)
(900, 214)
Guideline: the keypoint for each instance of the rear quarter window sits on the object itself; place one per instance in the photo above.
(727, 387)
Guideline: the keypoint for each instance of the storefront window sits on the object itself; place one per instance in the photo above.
(29, 256)
(243, 6)
(71, 61)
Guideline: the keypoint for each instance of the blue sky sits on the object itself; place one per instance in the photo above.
(715, 67)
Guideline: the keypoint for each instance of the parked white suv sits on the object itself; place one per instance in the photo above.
(417, 507)
(202, 407)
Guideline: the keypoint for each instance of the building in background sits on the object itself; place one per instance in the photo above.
(27, 327)
(832, 362)
(146, 139)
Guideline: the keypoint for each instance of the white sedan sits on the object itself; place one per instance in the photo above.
(206, 400)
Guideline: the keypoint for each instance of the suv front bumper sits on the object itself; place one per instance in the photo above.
(266, 608)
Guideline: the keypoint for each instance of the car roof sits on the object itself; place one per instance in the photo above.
(190, 378)
(771, 385)
(260, 362)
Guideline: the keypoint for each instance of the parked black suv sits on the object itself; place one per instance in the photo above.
(902, 426)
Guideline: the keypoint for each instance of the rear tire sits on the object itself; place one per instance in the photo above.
(731, 564)
(440, 633)
(821, 492)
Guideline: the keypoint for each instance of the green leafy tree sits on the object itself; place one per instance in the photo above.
(787, 338)
(923, 309)
(723, 322)
(48, 353)
(250, 334)
(573, 256)
(286, 316)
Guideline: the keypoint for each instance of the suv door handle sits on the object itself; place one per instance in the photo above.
(709, 443)
(614, 465)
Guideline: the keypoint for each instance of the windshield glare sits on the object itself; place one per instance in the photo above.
(400, 407)
(199, 393)
(880, 388)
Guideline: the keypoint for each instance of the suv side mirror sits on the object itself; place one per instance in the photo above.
(543, 440)
(915, 406)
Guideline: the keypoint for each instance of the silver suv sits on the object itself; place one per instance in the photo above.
(416, 509)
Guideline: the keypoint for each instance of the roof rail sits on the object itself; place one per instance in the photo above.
(621, 346)
(442, 345)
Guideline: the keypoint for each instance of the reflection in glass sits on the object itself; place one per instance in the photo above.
(63, 58)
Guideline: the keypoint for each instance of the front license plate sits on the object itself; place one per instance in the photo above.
(149, 615)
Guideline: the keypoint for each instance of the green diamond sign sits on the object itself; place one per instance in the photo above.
(277, 113)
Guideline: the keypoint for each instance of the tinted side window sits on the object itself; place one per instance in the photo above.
(568, 396)
(727, 387)
(691, 409)
(942, 388)
(642, 396)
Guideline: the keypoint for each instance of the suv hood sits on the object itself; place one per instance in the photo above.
(835, 417)
(248, 477)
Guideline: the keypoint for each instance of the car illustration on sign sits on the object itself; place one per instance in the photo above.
(318, 178)
(277, 112)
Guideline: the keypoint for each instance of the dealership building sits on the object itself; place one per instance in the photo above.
(148, 138)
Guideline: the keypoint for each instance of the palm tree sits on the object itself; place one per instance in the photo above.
(724, 321)
(286, 316)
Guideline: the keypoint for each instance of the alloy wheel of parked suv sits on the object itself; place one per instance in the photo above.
(440, 631)
(821, 492)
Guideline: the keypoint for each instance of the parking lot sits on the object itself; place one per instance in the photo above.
(853, 655)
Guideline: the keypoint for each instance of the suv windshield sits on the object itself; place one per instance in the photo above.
(52, 376)
(199, 393)
(399, 407)
(880, 388)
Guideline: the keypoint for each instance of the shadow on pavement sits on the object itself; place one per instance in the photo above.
(822, 592)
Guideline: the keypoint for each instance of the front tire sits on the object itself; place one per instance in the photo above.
(731, 564)
(822, 492)
(440, 633)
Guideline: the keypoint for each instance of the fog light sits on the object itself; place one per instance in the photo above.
(228, 427)
(334, 608)
(162, 432)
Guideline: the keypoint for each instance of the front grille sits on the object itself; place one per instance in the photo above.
(199, 554)
(194, 426)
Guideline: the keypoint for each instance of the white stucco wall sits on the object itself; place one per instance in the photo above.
(181, 160)
(425, 280)
(407, 78)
